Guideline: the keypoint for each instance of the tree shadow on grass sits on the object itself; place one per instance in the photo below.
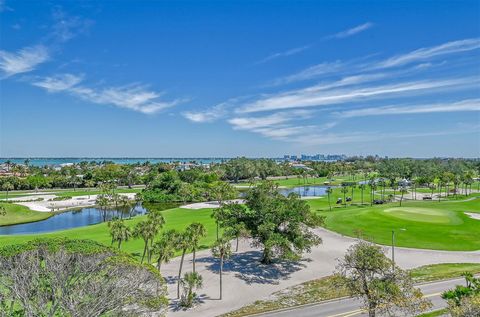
(248, 268)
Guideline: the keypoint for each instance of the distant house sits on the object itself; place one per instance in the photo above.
(301, 166)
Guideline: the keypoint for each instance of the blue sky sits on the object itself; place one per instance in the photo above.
(228, 78)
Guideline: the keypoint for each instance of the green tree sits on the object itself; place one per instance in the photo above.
(145, 230)
(222, 249)
(3, 211)
(7, 186)
(196, 231)
(279, 224)
(221, 192)
(367, 274)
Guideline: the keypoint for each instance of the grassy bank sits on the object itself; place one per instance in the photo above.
(20, 214)
(176, 218)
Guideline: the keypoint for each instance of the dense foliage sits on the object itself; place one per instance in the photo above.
(62, 277)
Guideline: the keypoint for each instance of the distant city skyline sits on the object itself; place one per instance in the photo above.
(239, 78)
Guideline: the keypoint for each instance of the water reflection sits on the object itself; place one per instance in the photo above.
(80, 218)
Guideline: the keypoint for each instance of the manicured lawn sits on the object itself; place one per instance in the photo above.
(21, 214)
(176, 218)
(418, 224)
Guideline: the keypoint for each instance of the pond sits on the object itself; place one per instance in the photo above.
(78, 218)
(306, 191)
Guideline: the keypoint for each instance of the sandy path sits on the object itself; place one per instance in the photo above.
(246, 280)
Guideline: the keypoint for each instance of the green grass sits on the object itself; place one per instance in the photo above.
(436, 313)
(435, 272)
(21, 214)
(177, 218)
(418, 224)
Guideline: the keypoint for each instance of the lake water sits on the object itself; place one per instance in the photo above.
(90, 216)
(306, 191)
(77, 218)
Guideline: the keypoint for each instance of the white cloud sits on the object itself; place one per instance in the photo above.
(311, 72)
(58, 82)
(355, 30)
(311, 97)
(289, 52)
(132, 97)
(22, 61)
(460, 106)
(423, 54)
(275, 119)
(208, 115)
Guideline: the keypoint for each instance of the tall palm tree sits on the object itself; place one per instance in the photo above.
(329, 193)
(196, 231)
(146, 231)
(352, 186)
(362, 189)
(222, 249)
(164, 248)
(344, 192)
(182, 243)
(103, 202)
(403, 190)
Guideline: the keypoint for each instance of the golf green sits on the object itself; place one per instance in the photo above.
(430, 215)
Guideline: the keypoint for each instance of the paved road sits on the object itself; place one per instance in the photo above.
(351, 307)
(245, 280)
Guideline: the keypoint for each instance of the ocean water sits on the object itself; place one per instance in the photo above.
(55, 161)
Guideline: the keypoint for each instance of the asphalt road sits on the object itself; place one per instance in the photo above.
(349, 307)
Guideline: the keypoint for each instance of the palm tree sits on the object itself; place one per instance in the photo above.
(344, 192)
(352, 187)
(123, 201)
(182, 243)
(119, 231)
(222, 250)
(373, 188)
(403, 190)
(164, 248)
(190, 282)
(7, 186)
(146, 231)
(362, 189)
(237, 230)
(329, 193)
(103, 202)
(196, 231)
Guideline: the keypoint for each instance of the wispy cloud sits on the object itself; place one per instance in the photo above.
(289, 52)
(58, 82)
(133, 97)
(312, 97)
(66, 27)
(459, 106)
(250, 123)
(22, 61)
(355, 30)
(423, 54)
(207, 115)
